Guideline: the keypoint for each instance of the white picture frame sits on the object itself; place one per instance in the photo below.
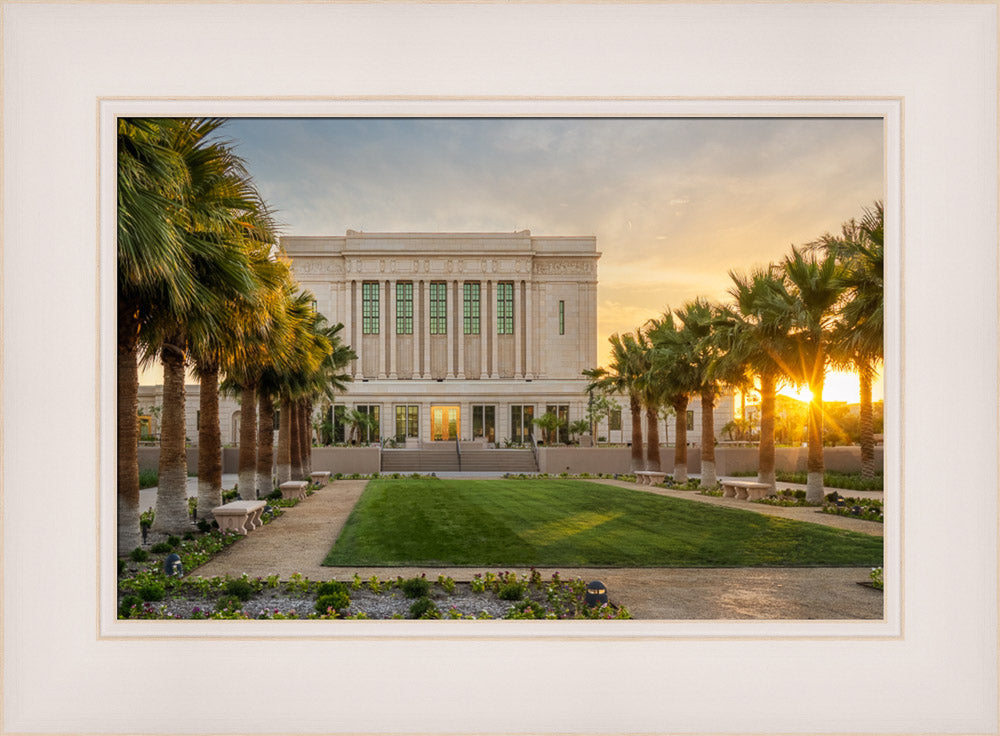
(930, 666)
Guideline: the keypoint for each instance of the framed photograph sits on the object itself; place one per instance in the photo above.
(71, 666)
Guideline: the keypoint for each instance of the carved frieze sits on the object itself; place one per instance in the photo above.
(566, 266)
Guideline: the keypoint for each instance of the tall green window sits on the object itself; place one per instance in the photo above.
(470, 308)
(505, 308)
(562, 317)
(404, 308)
(439, 308)
(369, 308)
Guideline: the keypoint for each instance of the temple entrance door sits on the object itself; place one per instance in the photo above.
(444, 423)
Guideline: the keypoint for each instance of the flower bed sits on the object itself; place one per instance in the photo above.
(150, 595)
(869, 509)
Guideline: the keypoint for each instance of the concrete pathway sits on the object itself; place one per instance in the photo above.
(298, 541)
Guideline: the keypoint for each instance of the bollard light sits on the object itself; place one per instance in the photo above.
(597, 593)
(172, 565)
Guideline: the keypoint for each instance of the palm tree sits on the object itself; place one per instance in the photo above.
(152, 274)
(622, 377)
(651, 393)
(223, 223)
(672, 361)
(859, 333)
(702, 323)
(812, 302)
(239, 324)
(757, 327)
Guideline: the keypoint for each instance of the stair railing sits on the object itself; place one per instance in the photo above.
(458, 451)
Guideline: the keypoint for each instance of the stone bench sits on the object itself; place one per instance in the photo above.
(744, 489)
(649, 477)
(239, 516)
(320, 478)
(294, 489)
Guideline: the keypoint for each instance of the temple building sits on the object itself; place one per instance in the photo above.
(464, 336)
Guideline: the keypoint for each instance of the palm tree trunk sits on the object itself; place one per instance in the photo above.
(129, 535)
(295, 420)
(248, 441)
(171, 494)
(652, 439)
(680, 440)
(306, 439)
(636, 408)
(814, 464)
(265, 446)
(867, 439)
(708, 478)
(765, 461)
(285, 442)
(209, 443)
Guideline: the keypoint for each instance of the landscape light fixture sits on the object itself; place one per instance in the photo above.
(172, 565)
(597, 593)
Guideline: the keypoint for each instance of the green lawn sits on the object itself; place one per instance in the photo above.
(573, 523)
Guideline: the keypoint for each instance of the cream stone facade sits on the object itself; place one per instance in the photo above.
(458, 335)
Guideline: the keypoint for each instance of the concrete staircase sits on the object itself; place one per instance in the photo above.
(499, 461)
(419, 461)
(426, 460)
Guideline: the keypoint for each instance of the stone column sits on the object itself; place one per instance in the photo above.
(449, 310)
(355, 367)
(543, 322)
(425, 328)
(460, 325)
(531, 330)
(391, 337)
(518, 331)
(494, 325)
(484, 327)
(382, 331)
(416, 329)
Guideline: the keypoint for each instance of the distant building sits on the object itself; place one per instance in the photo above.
(458, 335)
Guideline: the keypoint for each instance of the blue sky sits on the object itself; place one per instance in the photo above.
(674, 202)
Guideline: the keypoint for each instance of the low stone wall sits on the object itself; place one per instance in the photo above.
(346, 459)
(729, 460)
(555, 460)
(335, 459)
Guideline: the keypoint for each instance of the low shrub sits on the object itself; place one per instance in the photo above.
(188, 536)
(228, 603)
(415, 587)
(121, 566)
(204, 526)
(424, 608)
(160, 548)
(125, 609)
(273, 495)
(148, 478)
(447, 584)
(241, 588)
(335, 601)
(331, 587)
(139, 555)
(152, 591)
(511, 591)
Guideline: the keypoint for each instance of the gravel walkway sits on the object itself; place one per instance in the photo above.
(298, 541)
